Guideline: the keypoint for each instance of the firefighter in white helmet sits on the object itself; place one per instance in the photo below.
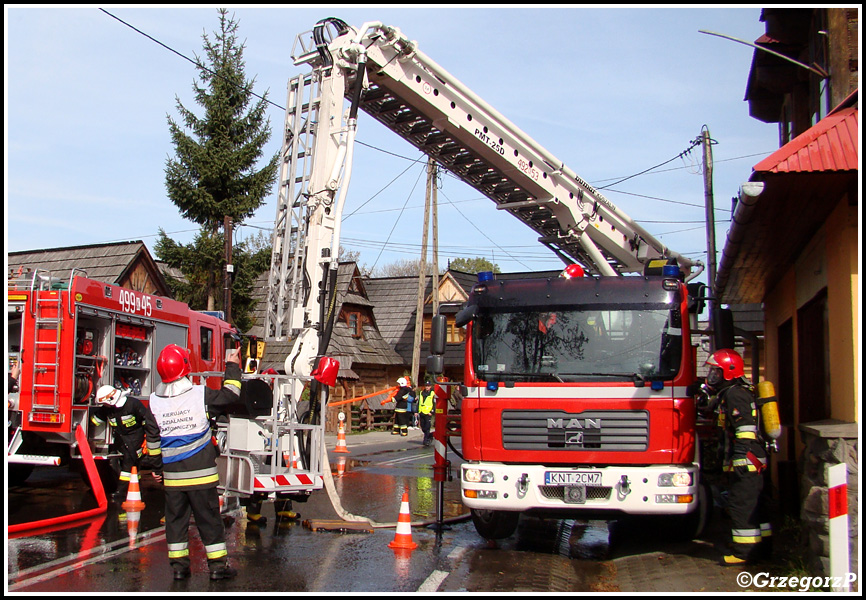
(402, 416)
(131, 423)
(189, 458)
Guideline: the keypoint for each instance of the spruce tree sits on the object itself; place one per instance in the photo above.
(213, 174)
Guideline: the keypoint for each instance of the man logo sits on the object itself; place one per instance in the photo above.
(574, 423)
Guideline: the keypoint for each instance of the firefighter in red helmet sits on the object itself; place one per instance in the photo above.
(189, 458)
(745, 458)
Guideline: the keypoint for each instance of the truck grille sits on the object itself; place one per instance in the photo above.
(557, 492)
(604, 430)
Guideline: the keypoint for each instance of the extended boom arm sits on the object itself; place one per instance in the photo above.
(424, 104)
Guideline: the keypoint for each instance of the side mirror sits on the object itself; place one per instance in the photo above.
(435, 364)
(438, 332)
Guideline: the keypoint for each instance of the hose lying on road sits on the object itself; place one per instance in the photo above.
(347, 516)
(95, 484)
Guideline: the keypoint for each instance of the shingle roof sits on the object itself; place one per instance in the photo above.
(108, 263)
(103, 262)
(348, 350)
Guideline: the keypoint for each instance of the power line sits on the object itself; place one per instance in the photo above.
(194, 62)
(198, 65)
(681, 154)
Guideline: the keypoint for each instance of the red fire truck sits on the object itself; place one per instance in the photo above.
(576, 401)
(72, 335)
(576, 396)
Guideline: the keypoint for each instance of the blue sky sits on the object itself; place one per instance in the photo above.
(609, 91)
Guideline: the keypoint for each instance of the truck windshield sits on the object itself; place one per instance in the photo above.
(577, 345)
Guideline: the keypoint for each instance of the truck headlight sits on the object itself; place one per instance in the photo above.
(675, 479)
(477, 476)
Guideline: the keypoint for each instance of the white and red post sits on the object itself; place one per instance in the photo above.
(837, 481)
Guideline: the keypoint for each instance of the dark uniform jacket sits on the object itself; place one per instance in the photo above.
(401, 398)
(127, 422)
(745, 446)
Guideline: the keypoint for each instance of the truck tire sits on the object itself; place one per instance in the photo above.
(494, 524)
(697, 521)
(685, 528)
(18, 473)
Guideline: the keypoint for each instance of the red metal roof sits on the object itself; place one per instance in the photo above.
(830, 145)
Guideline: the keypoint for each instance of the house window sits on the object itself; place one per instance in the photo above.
(454, 335)
(353, 320)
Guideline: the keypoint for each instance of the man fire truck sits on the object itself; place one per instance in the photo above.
(576, 386)
(71, 336)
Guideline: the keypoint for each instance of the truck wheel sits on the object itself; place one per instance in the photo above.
(18, 473)
(494, 524)
(688, 527)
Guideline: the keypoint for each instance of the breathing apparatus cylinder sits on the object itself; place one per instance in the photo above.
(769, 411)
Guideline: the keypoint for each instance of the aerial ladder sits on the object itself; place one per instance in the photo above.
(380, 71)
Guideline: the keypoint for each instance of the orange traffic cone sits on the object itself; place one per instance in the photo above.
(403, 537)
(133, 496)
(341, 438)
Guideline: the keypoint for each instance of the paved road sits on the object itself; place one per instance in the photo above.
(544, 555)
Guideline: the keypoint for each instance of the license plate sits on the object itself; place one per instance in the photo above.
(572, 478)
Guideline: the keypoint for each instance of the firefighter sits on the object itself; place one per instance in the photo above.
(401, 408)
(131, 423)
(189, 458)
(745, 458)
(426, 400)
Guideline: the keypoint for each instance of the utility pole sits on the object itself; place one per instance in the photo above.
(422, 273)
(227, 276)
(711, 224)
(435, 216)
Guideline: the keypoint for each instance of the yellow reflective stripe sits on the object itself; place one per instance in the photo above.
(216, 550)
(746, 539)
(746, 435)
(746, 536)
(233, 383)
(191, 481)
(178, 553)
(96, 420)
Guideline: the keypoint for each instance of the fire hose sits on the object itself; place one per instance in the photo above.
(95, 484)
(335, 497)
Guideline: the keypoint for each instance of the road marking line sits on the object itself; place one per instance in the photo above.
(432, 583)
(79, 560)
